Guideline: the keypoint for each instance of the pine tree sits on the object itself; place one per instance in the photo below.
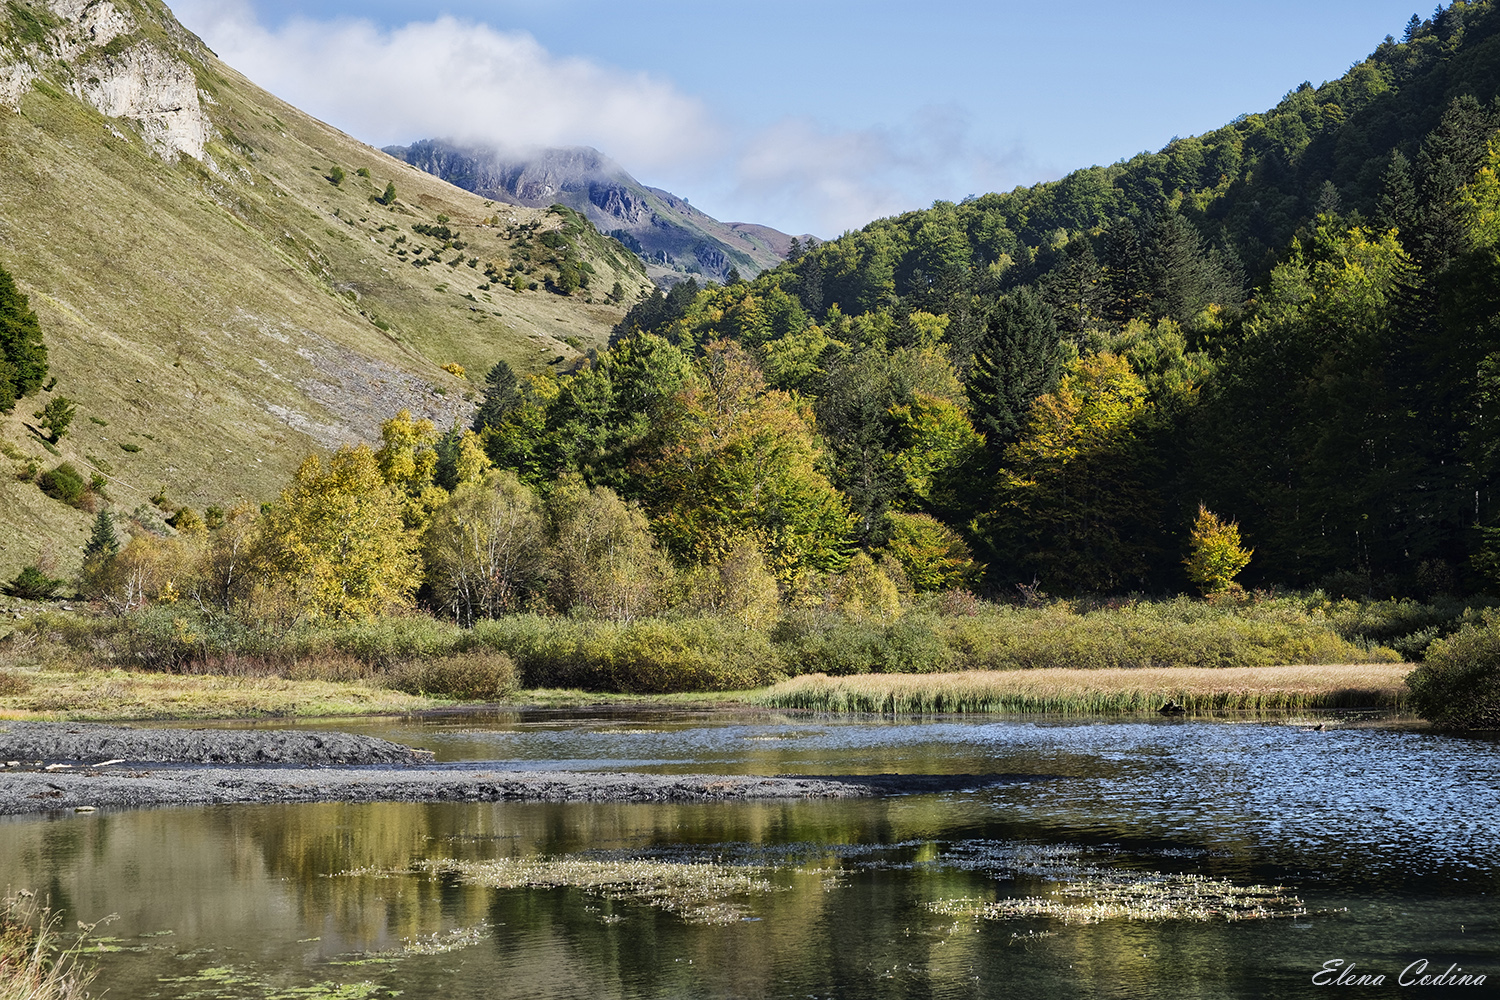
(502, 393)
(1398, 207)
(1017, 361)
(103, 542)
(23, 356)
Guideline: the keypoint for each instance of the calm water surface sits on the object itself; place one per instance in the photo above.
(1390, 836)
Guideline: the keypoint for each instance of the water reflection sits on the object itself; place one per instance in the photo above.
(1391, 835)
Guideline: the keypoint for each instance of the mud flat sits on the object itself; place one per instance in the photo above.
(66, 766)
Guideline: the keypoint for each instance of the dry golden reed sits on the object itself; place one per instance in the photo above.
(1083, 692)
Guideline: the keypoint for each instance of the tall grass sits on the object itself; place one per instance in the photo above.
(716, 653)
(1085, 692)
(34, 962)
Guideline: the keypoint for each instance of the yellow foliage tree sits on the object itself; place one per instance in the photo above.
(336, 538)
(1216, 556)
(408, 459)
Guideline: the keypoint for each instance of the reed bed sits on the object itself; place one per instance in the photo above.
(1105, 691)
(34, 962)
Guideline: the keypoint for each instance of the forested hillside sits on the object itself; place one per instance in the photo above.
(1291, 321)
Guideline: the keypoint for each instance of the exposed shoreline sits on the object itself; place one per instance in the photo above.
(164, 767)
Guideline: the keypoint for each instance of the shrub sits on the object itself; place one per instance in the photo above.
(64, 483)
(12, 683)
(55, 417)
(478, 675)
(32, 584)
(654, 656)
(1458, 686)
(336, 175)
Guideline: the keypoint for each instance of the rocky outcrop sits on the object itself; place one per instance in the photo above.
(86, 46)
(156, 91)
(661, 228)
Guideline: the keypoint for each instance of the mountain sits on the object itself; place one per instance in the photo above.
(671, 236)
(223, 283)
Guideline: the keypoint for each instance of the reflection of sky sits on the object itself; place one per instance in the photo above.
(1382, 799)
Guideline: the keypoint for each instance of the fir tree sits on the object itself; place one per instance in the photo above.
(23, 356)
(1398, 207)
(103, 542)
(1017, 362)
(502, 393)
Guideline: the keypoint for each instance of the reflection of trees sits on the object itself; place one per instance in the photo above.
(259, 878)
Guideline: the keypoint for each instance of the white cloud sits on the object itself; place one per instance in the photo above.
(468, 81)
(457, 80)
(840, 179)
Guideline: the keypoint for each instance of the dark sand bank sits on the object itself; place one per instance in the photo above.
(69, 766)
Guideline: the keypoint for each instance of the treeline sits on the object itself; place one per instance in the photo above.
(1051, 382)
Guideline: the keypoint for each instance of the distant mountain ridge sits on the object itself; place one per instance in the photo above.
(671, 236)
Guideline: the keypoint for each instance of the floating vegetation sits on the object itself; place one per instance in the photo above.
(441, 944)
(1148, 896)
(698, 892)
(226, 981)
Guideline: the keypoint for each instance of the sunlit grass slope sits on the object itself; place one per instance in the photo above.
(226, 316)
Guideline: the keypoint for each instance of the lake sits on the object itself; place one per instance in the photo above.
(1385, 842)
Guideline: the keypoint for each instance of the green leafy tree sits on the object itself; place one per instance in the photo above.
(735, 463)
(336, 175)
(1215, 555)
(388, 197)
(56, 416)
(485, 550)
(23, 355)
(932, 554)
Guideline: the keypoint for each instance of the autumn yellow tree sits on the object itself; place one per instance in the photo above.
(336, 539)
(1215, 557)
(1074, 502)
(735, 462)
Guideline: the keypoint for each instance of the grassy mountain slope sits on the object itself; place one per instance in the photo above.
(210, 297)
(671, 236)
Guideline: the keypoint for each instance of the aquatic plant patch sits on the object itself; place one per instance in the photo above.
(1150, 896)
(698, 892)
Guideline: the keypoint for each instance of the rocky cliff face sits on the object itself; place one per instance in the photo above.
(672, 237)
(107, 60)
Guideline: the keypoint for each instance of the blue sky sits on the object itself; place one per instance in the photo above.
(811, 116)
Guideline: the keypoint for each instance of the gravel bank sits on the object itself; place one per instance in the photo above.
(85, 743)
(52, 767)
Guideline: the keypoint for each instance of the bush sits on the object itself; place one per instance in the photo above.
(12, 683)
(64, 483)
(653, 656)
(1458, 686)
(480, 675)
(32, 584)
